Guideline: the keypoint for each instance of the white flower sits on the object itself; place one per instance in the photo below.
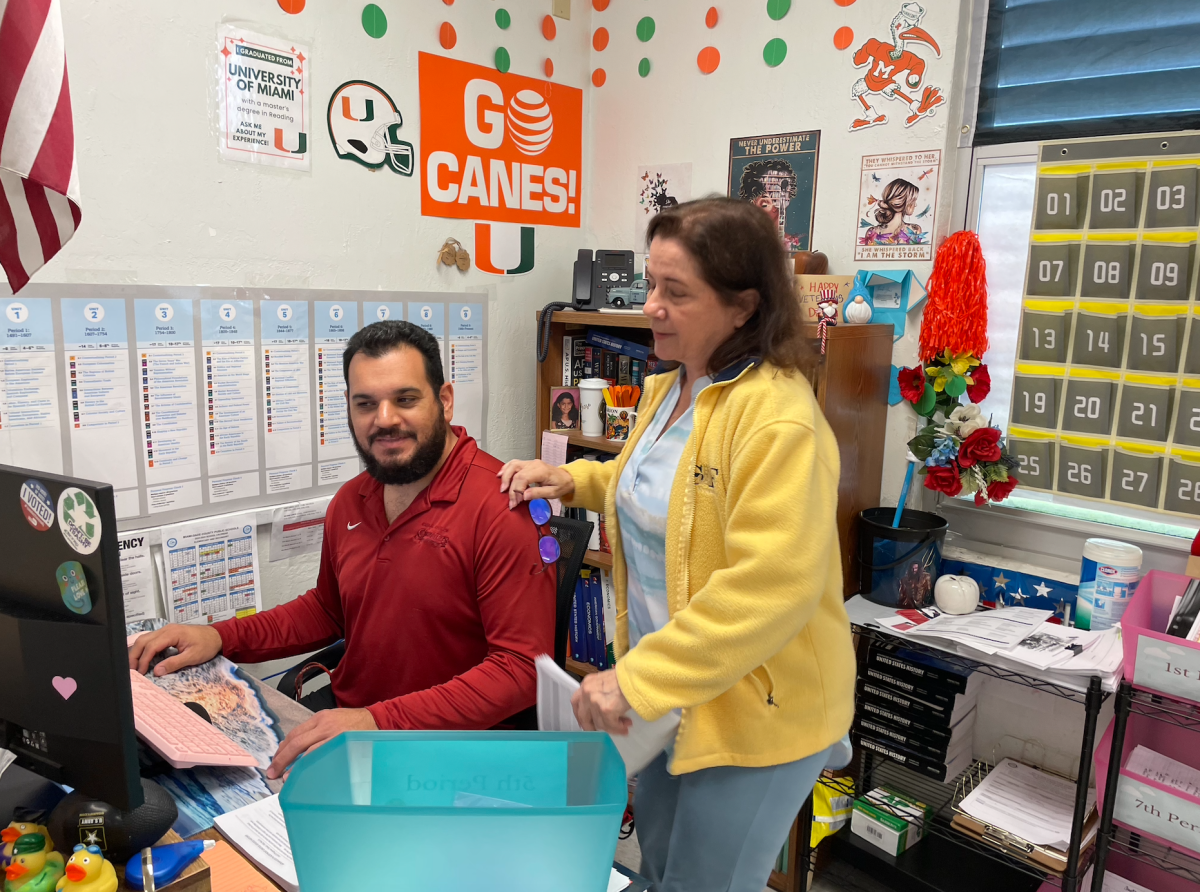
(964, 421)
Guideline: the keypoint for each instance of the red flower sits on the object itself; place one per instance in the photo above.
(978, 391)
(943, 480)
(1001, 489)
(912, 383)
(980, 498)
(982, 445)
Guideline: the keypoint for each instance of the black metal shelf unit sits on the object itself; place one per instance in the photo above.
(1010, 871)
(1128, 842)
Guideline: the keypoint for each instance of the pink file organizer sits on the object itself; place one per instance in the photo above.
(1155, 660)
(1164, 814)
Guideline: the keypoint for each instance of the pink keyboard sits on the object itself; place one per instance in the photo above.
(178, 734)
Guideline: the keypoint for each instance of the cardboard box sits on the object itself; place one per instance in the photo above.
(890, 820)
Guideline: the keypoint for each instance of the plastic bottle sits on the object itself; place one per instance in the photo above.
(1107, 580)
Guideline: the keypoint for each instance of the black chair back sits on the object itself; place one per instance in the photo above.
(572, 536)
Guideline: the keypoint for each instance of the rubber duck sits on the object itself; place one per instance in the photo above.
(24, 821)
(87, 871)
(34, 868)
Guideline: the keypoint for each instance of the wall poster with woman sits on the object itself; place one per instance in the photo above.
(897, 201)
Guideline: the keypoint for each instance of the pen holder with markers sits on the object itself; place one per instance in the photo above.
(620, 411)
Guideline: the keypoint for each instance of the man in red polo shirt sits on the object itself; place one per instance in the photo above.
(438, 588)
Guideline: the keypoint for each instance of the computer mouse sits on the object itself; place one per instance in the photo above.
(199, 710)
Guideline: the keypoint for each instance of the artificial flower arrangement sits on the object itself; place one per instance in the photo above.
(959, 450)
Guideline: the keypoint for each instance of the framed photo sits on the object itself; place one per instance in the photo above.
(564, 408)
(778, 173)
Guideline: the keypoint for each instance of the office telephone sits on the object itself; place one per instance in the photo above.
(605, 281)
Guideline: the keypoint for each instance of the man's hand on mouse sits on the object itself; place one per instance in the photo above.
(321, 727)
(196, 645)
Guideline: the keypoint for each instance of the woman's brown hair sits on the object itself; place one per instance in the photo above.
(737, 248)
(896, 197)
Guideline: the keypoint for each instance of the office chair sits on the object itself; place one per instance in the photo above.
(572, 536)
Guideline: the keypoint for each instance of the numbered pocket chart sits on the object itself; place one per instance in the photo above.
(200, 401)
(1106, 393)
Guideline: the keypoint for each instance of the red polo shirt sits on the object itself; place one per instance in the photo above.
(443, 611)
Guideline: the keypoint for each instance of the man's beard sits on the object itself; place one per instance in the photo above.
(424, 460)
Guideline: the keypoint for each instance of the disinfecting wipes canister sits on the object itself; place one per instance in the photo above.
(1107, 580)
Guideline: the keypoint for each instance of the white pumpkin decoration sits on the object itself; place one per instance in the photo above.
(956, 594)
(858, 312)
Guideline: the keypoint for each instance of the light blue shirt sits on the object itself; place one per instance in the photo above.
(643, 493)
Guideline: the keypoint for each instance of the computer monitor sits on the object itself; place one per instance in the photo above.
(66, 710)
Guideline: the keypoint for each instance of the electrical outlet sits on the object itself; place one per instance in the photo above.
(562, 9)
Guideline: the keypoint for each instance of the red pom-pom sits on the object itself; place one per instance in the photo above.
(956, 312)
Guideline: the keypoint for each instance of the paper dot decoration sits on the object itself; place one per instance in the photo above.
(447, 36)
(503, 19)
(712, 17)
(777, 9)
(503, 61)
(292, 7)
(645, 29)
(599, 76)
(549, 29)
(843, 37)
(844, 2)
(644, 67)
(599, 5)
(600, 40)
(548, 67)
(774, 52)
(448, 2)
(374, 22)
(708, 59)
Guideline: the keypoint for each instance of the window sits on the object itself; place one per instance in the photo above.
(1066, 68)
(1000, 210)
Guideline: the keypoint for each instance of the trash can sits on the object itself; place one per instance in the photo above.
(517, 811)
(899, 565)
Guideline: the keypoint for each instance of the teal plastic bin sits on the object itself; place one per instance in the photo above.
(503, 811)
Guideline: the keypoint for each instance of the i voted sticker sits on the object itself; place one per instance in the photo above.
(79, 520)
(72, 584)
(37, 506)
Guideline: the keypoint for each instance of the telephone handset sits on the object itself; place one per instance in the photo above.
(603, 281)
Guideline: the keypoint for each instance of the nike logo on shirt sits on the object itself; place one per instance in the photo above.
(351, 526)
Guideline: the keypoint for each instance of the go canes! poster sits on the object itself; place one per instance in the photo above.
(500, 148)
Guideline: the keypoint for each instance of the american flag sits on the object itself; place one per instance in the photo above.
(39, 183)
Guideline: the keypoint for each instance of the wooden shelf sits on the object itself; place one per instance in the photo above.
(602, 320)
(598, 559)
(575, 438)
(580, 668)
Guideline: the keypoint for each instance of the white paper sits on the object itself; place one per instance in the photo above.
(638, 748)
(264, 91)
(1033, 805)
(298, 528)
(137, 577)
(259, 832)
(554, 452)
(466, 369)
(30, 433)
(287, 395)
(6, 759)
(1146, 763)
(618, 881)
(211, 569)
(985, 630)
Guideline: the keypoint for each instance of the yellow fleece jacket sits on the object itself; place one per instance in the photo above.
(757, 652)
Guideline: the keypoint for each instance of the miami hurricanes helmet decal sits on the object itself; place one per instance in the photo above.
(364, 126)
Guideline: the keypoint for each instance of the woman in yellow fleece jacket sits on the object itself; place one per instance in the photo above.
(721, 513)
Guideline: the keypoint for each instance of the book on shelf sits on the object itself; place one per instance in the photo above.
(574, 348)
(609, 616)
(598, 650)
(915, 737)
(942, 770)
(589, 619)
(605, 545)
(637, 372)
(921, 669)
(606, 341)
(593, 517)
(624, 371)
(577, 624)
(937, 735)
(930, 694)
(924, 711)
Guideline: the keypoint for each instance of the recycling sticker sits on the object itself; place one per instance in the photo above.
(79, 520)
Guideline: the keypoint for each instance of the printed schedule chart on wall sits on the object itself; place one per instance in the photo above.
(1106, 395)
(197, 401)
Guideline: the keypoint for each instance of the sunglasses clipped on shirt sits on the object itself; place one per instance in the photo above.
(548, 548)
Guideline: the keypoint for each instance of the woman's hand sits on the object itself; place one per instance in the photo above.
(600, 706)
(527, 480)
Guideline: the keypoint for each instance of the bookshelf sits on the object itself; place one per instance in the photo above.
(851, 383)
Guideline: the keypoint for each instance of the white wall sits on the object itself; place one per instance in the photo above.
(678, 114)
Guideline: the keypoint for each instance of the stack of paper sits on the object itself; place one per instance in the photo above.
(1029, 804)
(1146, 763)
